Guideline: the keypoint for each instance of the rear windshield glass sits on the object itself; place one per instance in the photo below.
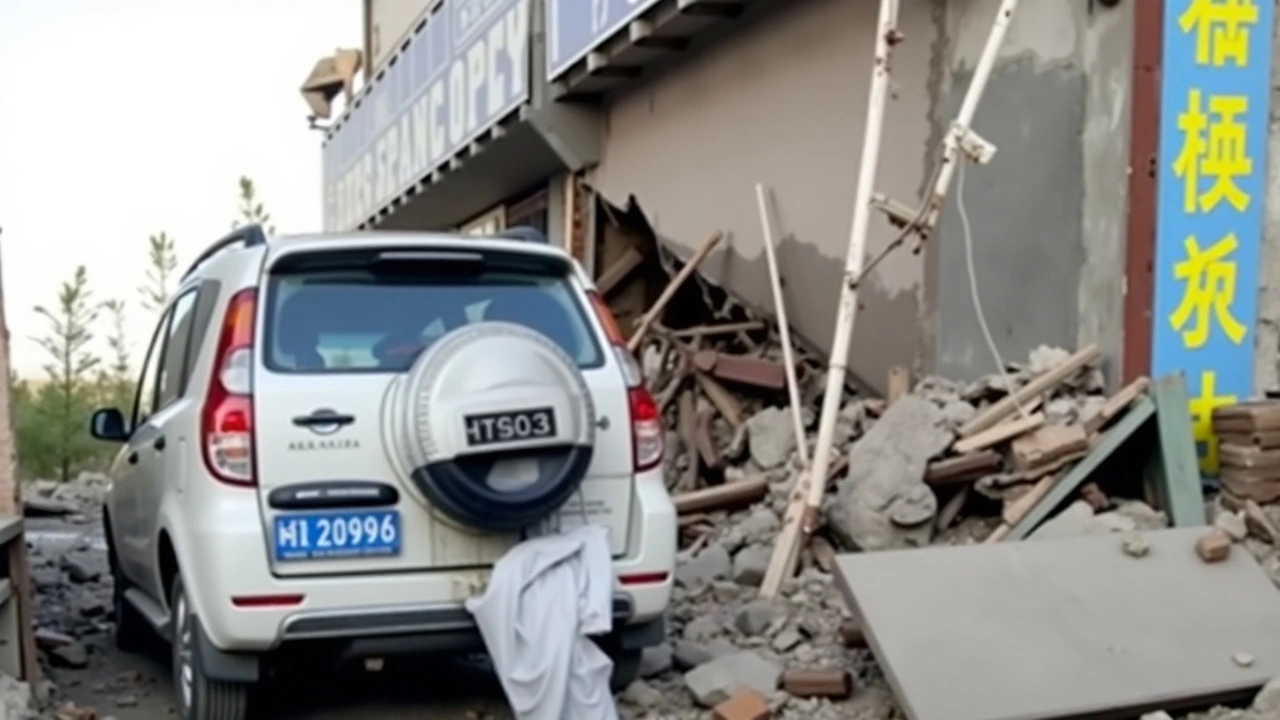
(332, 321)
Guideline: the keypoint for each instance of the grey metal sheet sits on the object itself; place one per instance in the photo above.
(1063, 628)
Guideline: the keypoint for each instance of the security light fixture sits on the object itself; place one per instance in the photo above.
(331, 75)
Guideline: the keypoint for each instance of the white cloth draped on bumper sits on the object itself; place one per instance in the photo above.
(545, 598)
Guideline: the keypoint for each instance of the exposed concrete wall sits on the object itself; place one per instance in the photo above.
(1047, 216)
(782, 101)
(1266, 358)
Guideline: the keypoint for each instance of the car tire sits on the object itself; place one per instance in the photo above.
(626, 669)
(132, 630)
(198, 696)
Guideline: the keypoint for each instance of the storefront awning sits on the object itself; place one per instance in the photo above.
(591, 53)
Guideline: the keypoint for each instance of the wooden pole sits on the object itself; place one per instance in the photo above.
(784, 327)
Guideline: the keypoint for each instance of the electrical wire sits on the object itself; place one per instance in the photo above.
(973, 285)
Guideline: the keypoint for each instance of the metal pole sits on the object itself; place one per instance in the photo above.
(887, 36)
(968, 108)
(784, 328)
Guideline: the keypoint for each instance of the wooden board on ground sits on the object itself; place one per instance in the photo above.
(1078, 627)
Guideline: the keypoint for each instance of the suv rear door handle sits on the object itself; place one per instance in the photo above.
(133, 458)
(323, 419)
(159, 443)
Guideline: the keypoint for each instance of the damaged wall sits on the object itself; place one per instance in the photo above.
(782, 101)
(1048, 214)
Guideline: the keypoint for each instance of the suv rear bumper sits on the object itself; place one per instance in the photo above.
(393, 630)
(227, 557)
(440, 619)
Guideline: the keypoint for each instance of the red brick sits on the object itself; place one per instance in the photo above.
(744, 705)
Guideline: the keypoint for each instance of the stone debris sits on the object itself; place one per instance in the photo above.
(1136, 545)
(898, 482)
(884, 502)
(1213, 546)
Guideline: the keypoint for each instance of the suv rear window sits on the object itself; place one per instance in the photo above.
(345, 320)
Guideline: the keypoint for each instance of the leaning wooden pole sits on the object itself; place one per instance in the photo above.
(810, 488)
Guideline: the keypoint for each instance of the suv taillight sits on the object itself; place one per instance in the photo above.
(226, 421)
(647, 435)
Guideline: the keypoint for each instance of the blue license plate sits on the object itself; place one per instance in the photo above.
(319, 536)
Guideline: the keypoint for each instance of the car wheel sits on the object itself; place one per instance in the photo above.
(132, 630)
(626, 669)
(199, 697)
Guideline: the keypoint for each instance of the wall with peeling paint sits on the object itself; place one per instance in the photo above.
(781, 100)
(1047, 216)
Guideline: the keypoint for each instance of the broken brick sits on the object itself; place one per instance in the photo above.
(852, 635)
(818, 682)
(743, 705)
(1213, 546)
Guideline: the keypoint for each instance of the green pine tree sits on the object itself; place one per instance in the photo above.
(162, 263)
(252, 210)
(66, 400)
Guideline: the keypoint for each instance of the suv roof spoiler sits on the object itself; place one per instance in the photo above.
(246, 236)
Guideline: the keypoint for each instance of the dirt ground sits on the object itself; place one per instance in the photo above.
(139, 686)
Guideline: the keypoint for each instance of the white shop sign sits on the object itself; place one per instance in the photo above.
(466, 70)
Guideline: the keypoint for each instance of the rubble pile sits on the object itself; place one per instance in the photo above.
(943, 462)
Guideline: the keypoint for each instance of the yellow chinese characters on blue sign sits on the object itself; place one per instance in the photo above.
(1210, 196)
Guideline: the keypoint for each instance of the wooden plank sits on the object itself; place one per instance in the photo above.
(998, 434)
(963, 468)
(724, 400)
(1080, 474)
(899, 383)
(1046, 444)
(722, 497)
(660, 305)
(1042, 383)
(701, 331)
(1267, 440)
(618, 271)
(1181, 496)
(744, 370)
(1117, 404)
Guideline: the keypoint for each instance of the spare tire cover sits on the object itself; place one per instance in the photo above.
(497, 425)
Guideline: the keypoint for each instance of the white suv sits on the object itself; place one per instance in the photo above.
(336, 436)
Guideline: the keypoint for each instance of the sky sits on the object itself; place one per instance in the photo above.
(122, 119)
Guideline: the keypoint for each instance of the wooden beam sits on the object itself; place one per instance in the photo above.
(669, 292)
(1042, 383)
(618, 271)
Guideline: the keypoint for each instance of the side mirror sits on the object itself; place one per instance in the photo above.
(108, 424)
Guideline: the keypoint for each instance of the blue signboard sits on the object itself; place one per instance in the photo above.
(576, 27)
(1211, 192)
(466, 70)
